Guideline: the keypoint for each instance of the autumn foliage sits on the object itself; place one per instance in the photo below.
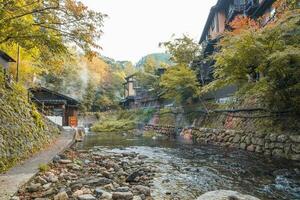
(241, 23)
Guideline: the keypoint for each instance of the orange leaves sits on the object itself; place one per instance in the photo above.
(77, 8)
(241, 23)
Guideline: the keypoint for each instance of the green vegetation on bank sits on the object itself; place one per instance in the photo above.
(123, 120)
(23, 131)
(263, 62)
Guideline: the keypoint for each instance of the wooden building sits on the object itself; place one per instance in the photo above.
(55, 106)
(130, 87)
(217, 23)
(136, 96)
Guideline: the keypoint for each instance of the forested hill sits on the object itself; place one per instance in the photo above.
(157, 58)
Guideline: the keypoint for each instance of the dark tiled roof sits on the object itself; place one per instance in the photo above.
(54, 97)
(6, 57)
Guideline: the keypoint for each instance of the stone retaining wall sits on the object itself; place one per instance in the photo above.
(165, 130)
(276, 145)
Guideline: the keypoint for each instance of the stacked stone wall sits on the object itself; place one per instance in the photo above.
(269, 144)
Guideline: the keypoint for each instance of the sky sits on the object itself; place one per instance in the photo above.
(134, 28)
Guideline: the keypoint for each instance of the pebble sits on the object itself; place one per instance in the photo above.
(61, 196)
(86, 197)
(65, 161)
(142, 190)
(122, 196)
(34, 187)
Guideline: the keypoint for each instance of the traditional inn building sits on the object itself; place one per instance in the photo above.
(60, 109)
(218, 21)
(136, 96)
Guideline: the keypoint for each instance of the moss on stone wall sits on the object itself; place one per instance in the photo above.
(23, 131)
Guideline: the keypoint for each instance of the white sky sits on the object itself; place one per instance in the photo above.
(134, 28)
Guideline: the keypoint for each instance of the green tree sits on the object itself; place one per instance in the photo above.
(264, 63)
(180, 84)
(182, 50)
(147, 77)
(49, 25)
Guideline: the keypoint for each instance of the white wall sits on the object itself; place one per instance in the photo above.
(56, 119)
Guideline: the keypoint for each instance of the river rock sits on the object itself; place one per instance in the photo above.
(99, 181)
(142, 157)
(99, 192)
(61, 196)
(47, 186)
(133, 176)
(142, 190)
(137, 198)
(65, 161)
(122, 189)
(48, 192)
(86, 197)
(225, 195)
(34, 187)
(122, 196)
(106, 195)
(41, 180)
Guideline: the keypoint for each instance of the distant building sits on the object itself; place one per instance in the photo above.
(217, 23)
(5, 59)
(136, 96)
(60, 109)
(129, 91)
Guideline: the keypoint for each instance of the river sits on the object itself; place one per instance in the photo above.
(187, 170)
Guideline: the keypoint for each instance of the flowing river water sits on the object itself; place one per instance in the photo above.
(187, 170)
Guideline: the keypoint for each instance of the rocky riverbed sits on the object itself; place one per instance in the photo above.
(130, 166)
(92, 174)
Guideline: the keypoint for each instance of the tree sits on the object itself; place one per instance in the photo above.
(183, 50)
(147, 77)
(180, 84)
(266, 62)
(50, 24)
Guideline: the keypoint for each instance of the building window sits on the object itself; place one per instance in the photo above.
(213, 25)
(272, 12)
(217, 22)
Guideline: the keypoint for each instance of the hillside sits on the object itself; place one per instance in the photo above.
(23, 131)
(158, 58)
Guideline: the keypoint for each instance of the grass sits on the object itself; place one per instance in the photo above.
(44, 167)
(124, 120)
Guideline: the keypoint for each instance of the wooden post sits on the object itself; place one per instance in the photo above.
(18, 63)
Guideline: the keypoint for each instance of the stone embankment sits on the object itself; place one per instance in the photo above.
(276, 145)
(90, 175)
(270, 144)
(164, 130)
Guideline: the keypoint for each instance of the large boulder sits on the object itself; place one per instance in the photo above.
(225, 195)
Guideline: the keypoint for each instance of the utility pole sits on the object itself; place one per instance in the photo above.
(18, 63)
